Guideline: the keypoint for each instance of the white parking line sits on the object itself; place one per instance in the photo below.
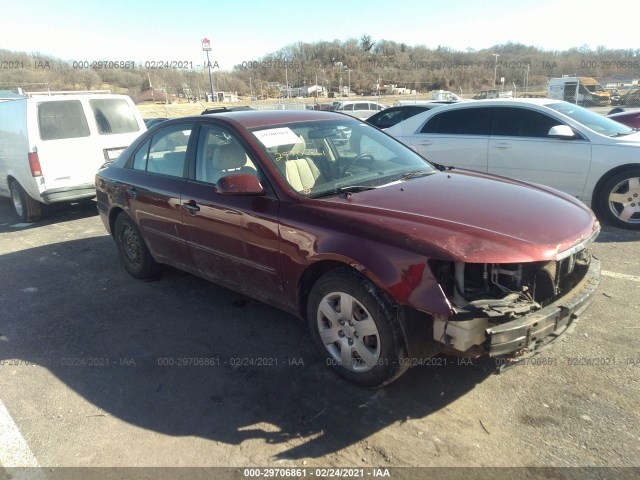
(622, 276)
(14, 451)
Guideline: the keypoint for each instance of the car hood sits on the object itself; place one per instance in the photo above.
(465, 216)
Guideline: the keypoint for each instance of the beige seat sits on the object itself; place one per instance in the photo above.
(301, 172)
(227, 159)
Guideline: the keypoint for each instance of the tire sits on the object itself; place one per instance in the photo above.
(618, 200)
(366, 345)
(133, 251)
(27, 209)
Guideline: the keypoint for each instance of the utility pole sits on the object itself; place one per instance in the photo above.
(206, 46)
(495, 69)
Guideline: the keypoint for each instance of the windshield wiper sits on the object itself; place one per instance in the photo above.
(357, 188)
(623, 134)
(347, 189)
(417, 173)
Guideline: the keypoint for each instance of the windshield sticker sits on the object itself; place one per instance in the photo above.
(275, 137)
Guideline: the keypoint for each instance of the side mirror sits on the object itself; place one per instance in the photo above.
(240, 184)
(561, 131)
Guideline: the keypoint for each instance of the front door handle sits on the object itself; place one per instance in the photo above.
(191, 206)
(502, 145)
(133, 193)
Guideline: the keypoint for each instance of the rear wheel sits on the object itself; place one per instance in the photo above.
(134, 254)
(356, 329)
(27, 209)
(618, 201)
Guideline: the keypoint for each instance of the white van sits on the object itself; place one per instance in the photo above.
(589, 91)
(52, 145)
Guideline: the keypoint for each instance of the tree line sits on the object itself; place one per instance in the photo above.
(360, 64)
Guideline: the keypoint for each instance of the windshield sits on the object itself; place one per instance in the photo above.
(592, 120)
(325, 157)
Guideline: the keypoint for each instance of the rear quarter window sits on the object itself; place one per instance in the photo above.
(63, 119)
(113, 115)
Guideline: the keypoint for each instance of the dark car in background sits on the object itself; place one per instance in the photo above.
(389, 258)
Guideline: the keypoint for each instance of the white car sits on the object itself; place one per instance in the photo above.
(543, 141)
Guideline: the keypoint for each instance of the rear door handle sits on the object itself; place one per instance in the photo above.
(502, 145)
(191, 206)
(132, 192)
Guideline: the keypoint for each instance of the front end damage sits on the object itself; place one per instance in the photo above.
(513, 309)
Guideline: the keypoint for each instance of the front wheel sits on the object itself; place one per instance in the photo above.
(356, 329)
(134, 254)
(618, 201)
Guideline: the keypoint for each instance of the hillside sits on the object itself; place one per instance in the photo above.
(359, 63)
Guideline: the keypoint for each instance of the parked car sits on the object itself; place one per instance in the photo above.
(52, 144)
(615, 96)
(358, 108)
(390, 259)
(629, 118)
(631, 98)
(544, 141)
(237, 108)
(390, 116)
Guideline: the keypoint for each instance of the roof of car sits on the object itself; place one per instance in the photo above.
(502, 101)
(264, 118)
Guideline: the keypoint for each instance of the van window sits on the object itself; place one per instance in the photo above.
(113, 115)
(64, 119)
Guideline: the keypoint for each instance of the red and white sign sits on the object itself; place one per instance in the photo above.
(206, 45)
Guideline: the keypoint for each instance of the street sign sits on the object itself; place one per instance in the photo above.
(206, 45)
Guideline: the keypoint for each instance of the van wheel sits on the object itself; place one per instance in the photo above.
(27, 209)
(134, 254)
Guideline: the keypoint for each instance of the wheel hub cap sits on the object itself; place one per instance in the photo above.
(624, 200)
(348, 332)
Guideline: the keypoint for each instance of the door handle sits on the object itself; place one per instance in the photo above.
(426, 143)
(191, 206)
(132, 192)
(502, 145)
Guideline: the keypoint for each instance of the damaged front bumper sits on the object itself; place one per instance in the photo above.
(528, 334)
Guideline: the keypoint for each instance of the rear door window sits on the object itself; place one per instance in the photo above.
(166, 152)
(62, 119)
(113, 115)
(464, 121)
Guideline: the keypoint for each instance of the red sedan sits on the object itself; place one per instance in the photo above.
(629, 118)
(389, 258)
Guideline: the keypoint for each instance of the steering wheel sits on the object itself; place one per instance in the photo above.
(365, 158)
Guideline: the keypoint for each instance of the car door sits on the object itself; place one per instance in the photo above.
(233, 239)
(457, 137)
(152, 186)
(520, 147)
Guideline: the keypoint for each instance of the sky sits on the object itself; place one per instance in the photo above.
(245, 30)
